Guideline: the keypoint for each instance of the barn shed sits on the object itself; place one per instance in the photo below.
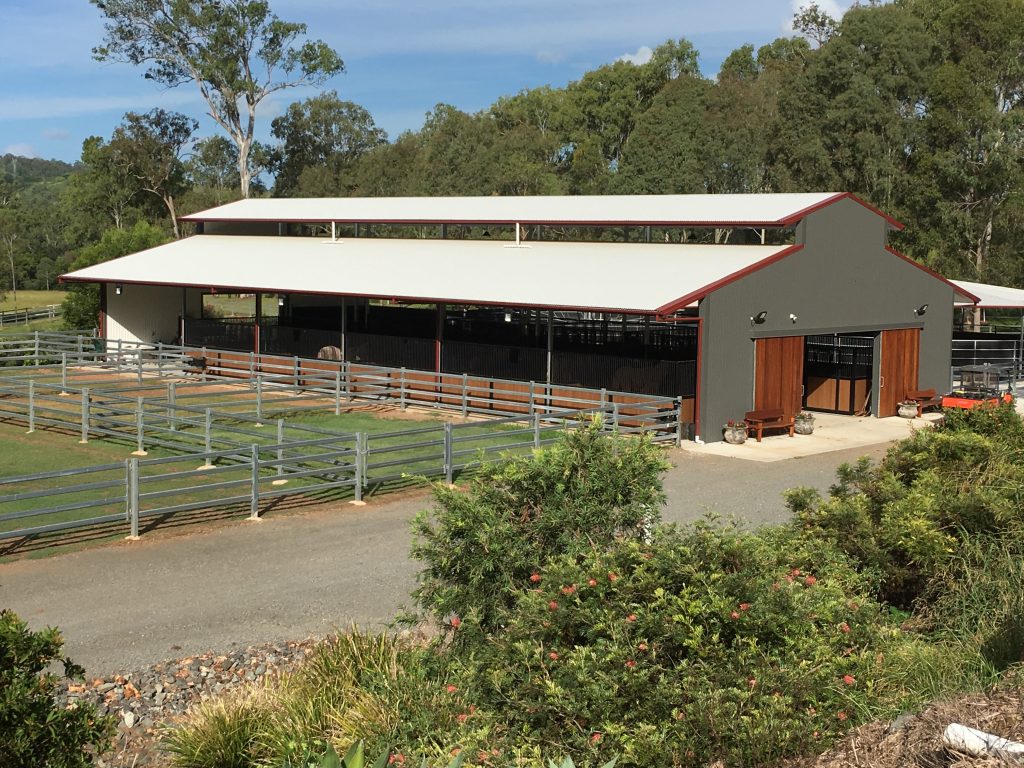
(728, 302)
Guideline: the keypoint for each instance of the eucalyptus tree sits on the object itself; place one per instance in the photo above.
(237, 52)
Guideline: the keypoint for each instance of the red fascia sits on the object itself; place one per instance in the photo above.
(802, 214)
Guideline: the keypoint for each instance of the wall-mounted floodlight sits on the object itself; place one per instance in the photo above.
(280, 301)
(508, 317)
(792, 317)
(921, 310)
(118, 289)
(759, 318)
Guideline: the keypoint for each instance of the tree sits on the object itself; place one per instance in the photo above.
(815, 24)
(149, 147)
(10, 230)
(237, 52)
(322, 132)
(82, 306)
(102, 193)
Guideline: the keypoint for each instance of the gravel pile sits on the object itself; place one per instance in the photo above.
(144, 701)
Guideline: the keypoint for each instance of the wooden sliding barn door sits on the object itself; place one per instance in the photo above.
(779, 373)
(901, 353)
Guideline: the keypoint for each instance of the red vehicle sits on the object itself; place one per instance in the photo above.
(981, 384)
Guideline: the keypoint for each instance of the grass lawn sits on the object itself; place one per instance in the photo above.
(30, 299)
(235, 305)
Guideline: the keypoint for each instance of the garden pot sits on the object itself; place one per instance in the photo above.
(804, 426)
(908, 410)
(735, 435)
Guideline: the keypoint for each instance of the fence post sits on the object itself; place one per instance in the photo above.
(140, 414)
(80, 348)
(347, 369)
(536, 430)
(172, 399)
(401, 388)
(31, 406)
(138, 363)
(252, 365)
(207, 442)
(254, 501)
(85, 415)
(133, 499)
(203, 376)
(448, 469)
(119, 353)
(533, 386)
(63, 373)
(615, 417)
(259, 400)
(160, 359)
(360, 467)
(280, 450)
(465, 395)
(679, 422)
(604, 398)
(295, 371)
(337, 392)
(37, 340)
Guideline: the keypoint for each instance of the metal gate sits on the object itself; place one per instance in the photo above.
(837, 372)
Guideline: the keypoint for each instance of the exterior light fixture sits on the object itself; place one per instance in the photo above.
(280, 301)
(921, 310)
(759, 318)
(792, 317)
(118, 289)
(508, 317)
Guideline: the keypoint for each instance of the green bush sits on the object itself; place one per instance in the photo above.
(34, 731)
(904, 519)
(700, 645)
(479, 547)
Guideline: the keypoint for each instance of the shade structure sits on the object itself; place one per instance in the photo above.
(753, 210)
(990, 296)
(611, 277)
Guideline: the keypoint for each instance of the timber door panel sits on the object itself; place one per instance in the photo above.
(901, 353)
(779, 373)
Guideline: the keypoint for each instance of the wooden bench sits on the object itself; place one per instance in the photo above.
(768, 418)
(925, 398)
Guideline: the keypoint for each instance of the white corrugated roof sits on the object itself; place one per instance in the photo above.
(608, 276)
(678, 210)
(991, 296)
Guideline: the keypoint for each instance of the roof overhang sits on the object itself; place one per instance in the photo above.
(986, 296)
(653, 279)
(722, 211)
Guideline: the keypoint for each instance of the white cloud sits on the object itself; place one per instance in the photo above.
(23, 150)
(642, 56)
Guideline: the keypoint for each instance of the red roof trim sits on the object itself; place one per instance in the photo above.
(389, 297)
(504, 222)
(956, 288)
(802, 214)
(700, 293)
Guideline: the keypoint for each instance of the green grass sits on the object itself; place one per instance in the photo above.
(30, 299)
(234, 305)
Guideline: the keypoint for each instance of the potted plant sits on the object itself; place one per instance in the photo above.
(735, 432)
(803, 423)
(907, 409)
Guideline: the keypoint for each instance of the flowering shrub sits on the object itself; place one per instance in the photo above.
(480, 547)
(700, 645)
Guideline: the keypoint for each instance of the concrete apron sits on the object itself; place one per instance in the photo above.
(832, 432)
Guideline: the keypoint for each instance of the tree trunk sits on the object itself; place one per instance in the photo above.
(244, 175)
(169, 202)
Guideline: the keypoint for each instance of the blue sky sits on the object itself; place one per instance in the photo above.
(402, 57)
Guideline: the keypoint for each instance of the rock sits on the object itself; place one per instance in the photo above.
(129, 718)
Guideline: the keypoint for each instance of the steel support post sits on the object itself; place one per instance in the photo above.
(337, 392)
(140, 414)
(133, 498)
(280, 447)
(254, 501)
(259, 400)
(465, 395)
(172, 398)
(536, 430)
(31, 406)
(85, 415)
(401, 388)
(63, 373)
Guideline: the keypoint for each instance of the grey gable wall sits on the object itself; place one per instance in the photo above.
(843, 280)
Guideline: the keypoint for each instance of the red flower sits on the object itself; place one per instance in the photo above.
(849, 679)
(630, 664)
(631, 617)
(795, 572)
(595, 737)
(451, 688)
(810, 581)
(612, 576)
(396, 759)
(552, 606)
(752, 682)
(841, 715)
(463, 717)
(571, 589)
(456, 622)
(591, 582)
(844, 627)
(553, 656)
(534, 577)
(744, 606)
(734, 615)
(642, 647)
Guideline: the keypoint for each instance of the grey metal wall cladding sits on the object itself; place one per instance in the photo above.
(671, 378)
(391, 351)
(842, 281)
